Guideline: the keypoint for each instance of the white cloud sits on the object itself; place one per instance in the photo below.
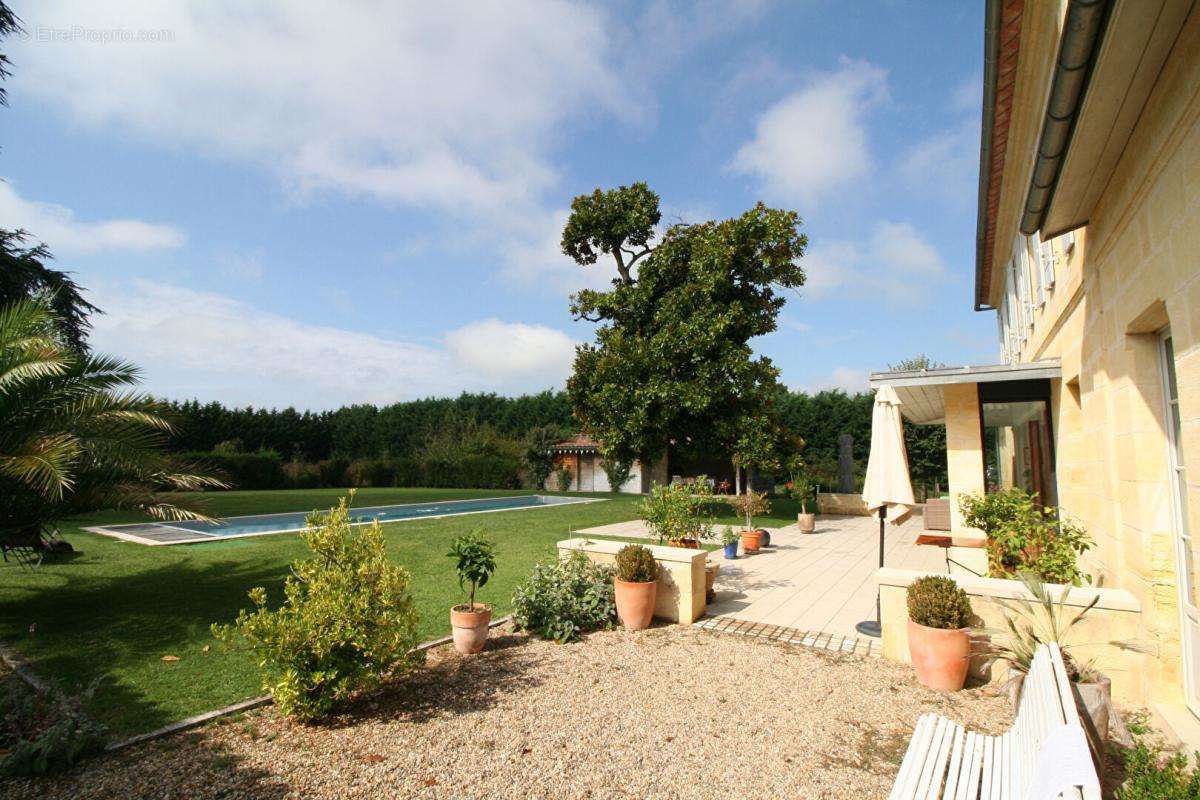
(201, 344)
(245, 267)
(844, 378)
(513, 350)
(814, 141)
(450, 106)
(946, 162)
(893, 265)
(66, 235)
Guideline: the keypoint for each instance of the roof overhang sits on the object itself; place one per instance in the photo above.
(920, 391)
(1138, 37)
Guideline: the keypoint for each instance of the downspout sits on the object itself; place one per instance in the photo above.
(991, 50)
(1082, 34)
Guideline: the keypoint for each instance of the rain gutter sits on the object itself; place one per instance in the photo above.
(991, 50)
(1081, 37)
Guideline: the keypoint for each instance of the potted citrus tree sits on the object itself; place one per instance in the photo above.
(801, 487)
(939, 640)
(475, 562)
(636, 585)
(747, 505)
(676, 515)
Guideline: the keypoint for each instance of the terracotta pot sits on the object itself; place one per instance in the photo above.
(940, 656)
(635, 603)
(751, 541)
(710, 575)
(807, 523)
(470, 627)
(690, 544)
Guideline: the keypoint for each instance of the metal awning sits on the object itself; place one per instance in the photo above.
(920, 391)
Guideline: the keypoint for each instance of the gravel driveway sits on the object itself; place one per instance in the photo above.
(672, 712)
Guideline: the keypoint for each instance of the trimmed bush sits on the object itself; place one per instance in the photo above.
(347, 620)
(1022, 535)
(636, 564)
(562, 599)
(936, 601)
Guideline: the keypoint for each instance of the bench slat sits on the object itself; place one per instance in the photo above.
(914, 759)
(956, 761)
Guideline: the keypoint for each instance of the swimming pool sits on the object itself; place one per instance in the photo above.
(189, 532)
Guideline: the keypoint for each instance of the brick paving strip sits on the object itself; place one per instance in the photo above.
(816, 640)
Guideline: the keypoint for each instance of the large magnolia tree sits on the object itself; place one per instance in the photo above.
(672, 363)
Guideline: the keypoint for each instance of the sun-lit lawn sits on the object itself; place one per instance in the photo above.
(115, 609)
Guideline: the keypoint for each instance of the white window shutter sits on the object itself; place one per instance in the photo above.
(1046, 251)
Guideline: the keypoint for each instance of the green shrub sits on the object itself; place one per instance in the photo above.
(563, 478)
(346, 622)
(617, 471)
(678, 511)
(562, 599)
(474, 561)
(44, 733)
(1151, 774)
(372, 472)
(333, 472)
(1024, 536)
(936, 601)
(636, 564)
(261, 470)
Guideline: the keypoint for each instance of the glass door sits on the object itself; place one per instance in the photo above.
(1184, 567)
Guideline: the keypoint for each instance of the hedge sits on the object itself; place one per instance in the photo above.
(267, 470)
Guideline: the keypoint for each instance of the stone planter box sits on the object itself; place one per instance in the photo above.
(680, 579)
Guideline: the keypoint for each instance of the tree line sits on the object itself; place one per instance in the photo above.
(501, 427)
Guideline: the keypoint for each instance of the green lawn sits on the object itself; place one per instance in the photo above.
(116, 608)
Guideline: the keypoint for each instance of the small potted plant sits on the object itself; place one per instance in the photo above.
(747, 505)
(801, 488)
(636, 585)
(730, 539)
(939, 640)
(475, 563)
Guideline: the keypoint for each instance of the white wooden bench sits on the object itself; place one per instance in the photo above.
(945, 761)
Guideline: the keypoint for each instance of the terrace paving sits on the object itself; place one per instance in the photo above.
(812, 587)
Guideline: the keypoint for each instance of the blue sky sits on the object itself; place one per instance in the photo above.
(315, 204)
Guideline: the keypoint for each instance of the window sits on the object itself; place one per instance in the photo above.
(1018, 448)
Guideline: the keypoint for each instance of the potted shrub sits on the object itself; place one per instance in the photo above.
(747, 505)
(730, 539)
(636, 584)
(676, 514)
(475, 563)
(1046, 619)
(801, 487)
(939, 640)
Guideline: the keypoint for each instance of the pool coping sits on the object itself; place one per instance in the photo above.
(108, 530)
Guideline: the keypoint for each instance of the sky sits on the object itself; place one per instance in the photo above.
(315, 204)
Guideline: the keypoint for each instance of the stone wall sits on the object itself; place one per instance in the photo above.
(1134, 270)
(1104, 634)
(835, 503)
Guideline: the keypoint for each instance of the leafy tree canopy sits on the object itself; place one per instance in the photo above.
(671, 363)
(24, 275)
(619, 222)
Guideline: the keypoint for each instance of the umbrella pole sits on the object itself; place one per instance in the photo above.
(874, 627)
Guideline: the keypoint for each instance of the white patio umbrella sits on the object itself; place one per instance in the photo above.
(887, 489)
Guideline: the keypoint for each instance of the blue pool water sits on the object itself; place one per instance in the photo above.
(180, 532)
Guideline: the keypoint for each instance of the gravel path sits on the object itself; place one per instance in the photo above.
(672, 712)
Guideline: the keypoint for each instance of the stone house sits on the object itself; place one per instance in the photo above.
(1088, 255)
